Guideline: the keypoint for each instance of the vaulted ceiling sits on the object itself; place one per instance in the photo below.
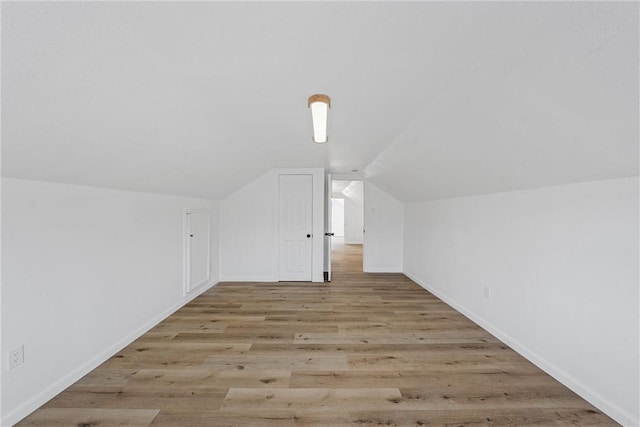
(429, 99)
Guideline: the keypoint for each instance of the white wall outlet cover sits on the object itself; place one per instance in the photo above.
(16, 356)
(487, 292)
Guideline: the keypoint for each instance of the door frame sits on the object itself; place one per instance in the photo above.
(309, 230)
(186, 251)
(356, 177)
(317, 177)
(328, 225)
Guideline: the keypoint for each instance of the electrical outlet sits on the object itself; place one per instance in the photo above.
(487, 292)
(16, 357)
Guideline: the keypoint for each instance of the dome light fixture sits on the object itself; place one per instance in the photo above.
(319, 105)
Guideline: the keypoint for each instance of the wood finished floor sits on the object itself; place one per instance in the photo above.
(365, 350)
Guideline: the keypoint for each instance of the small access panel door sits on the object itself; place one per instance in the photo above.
(197, 249)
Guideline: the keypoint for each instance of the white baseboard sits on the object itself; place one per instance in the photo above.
(263, 279)
(248, 279)
(382, 270)
(50, 392)
(556, 372)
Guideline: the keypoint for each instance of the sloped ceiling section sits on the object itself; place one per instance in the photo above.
(429, 99)
(351, 189)
(551, 98)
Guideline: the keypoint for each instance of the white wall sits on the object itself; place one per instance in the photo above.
(353, 220)
(337, 217)
(248, 232)
(249, 229)
(562, 267)
(85, 272)
(383, 225)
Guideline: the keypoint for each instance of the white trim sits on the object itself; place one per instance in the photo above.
(364, 225)
(186, 247)
(383, 270)
(185, 252)
(347, 177)
(317, 266)
(281, 275)
(328, 225)
(317, 269)
(50, 392)
(575, 385)
(248, 279)
(200, 285)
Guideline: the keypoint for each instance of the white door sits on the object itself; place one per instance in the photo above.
(295, 227)
(197, 249)
(328, 232)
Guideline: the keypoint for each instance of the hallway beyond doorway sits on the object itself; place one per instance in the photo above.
(345, 258)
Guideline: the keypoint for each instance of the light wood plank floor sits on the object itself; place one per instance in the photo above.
(365, 350)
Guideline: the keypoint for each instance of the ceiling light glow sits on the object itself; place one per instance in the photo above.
(319, 105)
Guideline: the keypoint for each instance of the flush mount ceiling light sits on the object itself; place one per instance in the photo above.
(319, 105)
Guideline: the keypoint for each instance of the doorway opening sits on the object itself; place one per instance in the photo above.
(347, 218)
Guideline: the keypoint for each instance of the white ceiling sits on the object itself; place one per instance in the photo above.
(348, 188)
(338, 187)
(429, 100)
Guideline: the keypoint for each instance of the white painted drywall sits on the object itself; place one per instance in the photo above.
(337, 217)
(249, 229)
(248, 232)
(85, 272)
(383, 225)
(353, 219)
(543, 82)
(562, 266)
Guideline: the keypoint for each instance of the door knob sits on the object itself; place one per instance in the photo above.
(308, 235)
(329, 234)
